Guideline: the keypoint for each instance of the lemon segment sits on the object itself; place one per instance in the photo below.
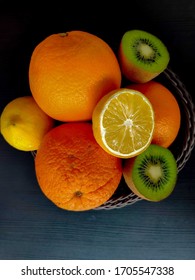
(123, 122)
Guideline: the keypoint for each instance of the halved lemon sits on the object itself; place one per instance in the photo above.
(123, 122)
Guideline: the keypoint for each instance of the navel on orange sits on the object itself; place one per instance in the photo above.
(123, 122)
(70, 72)
(73, 171)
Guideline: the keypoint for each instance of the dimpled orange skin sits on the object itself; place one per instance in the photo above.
(69, 72)
(166, 109)
(73, 171)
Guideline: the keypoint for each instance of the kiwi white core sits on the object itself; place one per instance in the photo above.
(145, 50)
(154, 172)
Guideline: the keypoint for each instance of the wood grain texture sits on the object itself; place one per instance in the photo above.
(33, 228)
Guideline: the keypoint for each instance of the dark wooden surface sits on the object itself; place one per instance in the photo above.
(33, 228)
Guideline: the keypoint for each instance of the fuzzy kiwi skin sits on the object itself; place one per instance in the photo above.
(128, 176)
(135, 72)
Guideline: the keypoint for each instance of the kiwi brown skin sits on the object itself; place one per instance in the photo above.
(136, 71)
(128, 169)
(127, 174)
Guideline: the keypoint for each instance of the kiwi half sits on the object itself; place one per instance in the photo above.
(152, 175)
(142, 56)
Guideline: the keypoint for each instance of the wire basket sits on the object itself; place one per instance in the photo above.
(181, 147)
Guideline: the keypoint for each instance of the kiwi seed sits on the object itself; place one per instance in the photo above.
(145, 51)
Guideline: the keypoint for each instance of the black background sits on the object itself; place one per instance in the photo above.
(33, 228)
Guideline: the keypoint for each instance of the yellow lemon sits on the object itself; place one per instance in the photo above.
(23, 123)
(123, 122)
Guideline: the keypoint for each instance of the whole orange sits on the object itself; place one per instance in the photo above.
(166, 110)
(73, 171)
(69, 72)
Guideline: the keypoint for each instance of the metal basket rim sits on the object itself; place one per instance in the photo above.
(185, 154)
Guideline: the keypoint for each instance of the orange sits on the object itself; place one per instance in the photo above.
(23, 123)
(69, 72)
(123, 122)
(166, 109)
(73, 171)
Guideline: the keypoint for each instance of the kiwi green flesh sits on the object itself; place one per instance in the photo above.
(145, 50)
(154, 173)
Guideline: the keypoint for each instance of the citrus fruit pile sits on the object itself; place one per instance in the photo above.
(89, 128)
